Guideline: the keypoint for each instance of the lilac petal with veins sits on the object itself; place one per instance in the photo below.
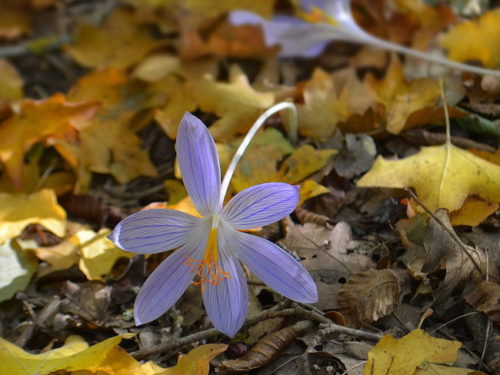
(261, 205)
(275, 267)
(153, 231)
(168, 281)
(199, 164)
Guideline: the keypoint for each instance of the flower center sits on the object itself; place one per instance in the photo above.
(207, 270)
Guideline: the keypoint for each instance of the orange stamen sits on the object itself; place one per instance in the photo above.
(207, 270)
(317, 15)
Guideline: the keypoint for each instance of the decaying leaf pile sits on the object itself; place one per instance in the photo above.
(397, 223)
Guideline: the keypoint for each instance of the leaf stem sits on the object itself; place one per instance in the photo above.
(251, 133)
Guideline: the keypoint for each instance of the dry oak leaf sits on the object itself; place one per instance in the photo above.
(400, 100)
(486, 298)
(443, 176)
(19, 210)
(99, 151)
(330, 99)
(120, 43)
(368, 296)
(410, 353)
(475, 40)
(197, 361)
(236, 102)
(105, 357)
(459, 260)
(39, 121)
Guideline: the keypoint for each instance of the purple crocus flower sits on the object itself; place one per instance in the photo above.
(297, 37)
(210, 248)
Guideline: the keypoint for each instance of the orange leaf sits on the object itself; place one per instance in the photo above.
(38, 121)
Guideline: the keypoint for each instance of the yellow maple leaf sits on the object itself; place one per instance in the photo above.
(330, 99)
(98, 150)
(19, 210)
(74, 355)
(38, 121)
(400, 99)
(443, 176)
(404, 356)
(120, 43)
(236, 102)
(475, 40)
(98, 253)
(196, 362)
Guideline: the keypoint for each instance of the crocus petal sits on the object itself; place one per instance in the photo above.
(227, 302)
(153, 231)
(275, 267)
(168, 281)
(296, 37)
(261, 205)
(199, 164)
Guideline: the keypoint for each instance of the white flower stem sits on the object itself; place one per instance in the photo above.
(292, 135)
(426, 56)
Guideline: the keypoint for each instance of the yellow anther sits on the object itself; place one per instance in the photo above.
(317, 15)
(207, 269)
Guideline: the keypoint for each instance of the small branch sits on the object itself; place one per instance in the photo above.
(35, 46)
(268, 314)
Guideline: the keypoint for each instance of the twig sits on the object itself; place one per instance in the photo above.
(268, 314)
(452, 233)
(35, 46)
(420, 136)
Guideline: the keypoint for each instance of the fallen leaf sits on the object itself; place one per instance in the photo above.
(46, 121)
(473, 212)
(119, 43)
(443, 176)
(16, 269)
(227, 40)
(433, 369)
(356, 156)
(196, 362)
(98, 253)
(236, 102)
(310, 189)
(475, 40)
(121, 98)
(441, 249)
(400, 99)
(328, 100)
(393, 357)
(325, 257)
(368, 296)
(486, 298)
(19, 210)
(180, 100)
(74, 355)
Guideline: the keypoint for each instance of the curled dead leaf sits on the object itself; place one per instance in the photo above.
(486, 298)
(368, 296)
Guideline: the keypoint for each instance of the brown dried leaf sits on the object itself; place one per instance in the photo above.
(441, 246)
(486, 298)
(268, 348)
(325, 258)
(368, 296)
